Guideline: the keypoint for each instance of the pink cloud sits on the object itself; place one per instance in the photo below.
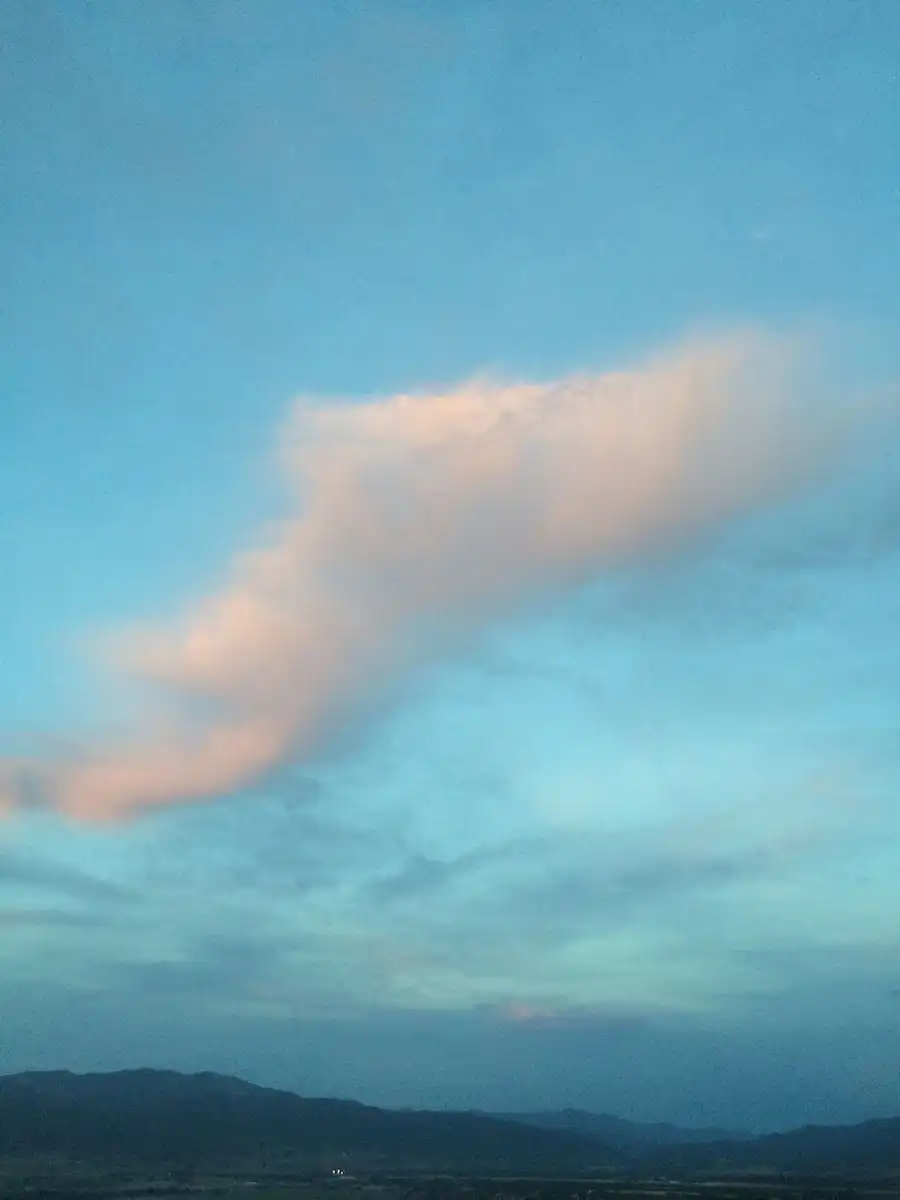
(10, 787)
(528, 1014)
(417, 512)
(557, 1015)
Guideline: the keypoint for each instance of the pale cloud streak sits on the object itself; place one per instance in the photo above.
(417, 513)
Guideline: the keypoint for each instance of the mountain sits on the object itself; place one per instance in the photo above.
(855, 1150)
(165, 1117)
(870, 1148)
(630, 1137)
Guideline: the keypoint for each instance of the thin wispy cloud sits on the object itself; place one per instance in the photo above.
(416, 514)
(44, 875)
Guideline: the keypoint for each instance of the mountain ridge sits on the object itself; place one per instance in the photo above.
(207, 1119)
(869, 1146)
(627, 1136)
(166, 1116)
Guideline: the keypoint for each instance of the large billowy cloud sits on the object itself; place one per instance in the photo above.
(415, 513)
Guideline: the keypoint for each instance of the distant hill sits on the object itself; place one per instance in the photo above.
(870, 1148)
(854, 1150)
(630, 1137)
(163, 1117)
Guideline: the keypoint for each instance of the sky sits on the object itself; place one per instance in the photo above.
(450, 550)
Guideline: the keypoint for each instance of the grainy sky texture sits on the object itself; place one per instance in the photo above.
(450, 549)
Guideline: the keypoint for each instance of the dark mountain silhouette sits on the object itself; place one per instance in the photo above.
(869, 1148)
(165, 1117)
(630, 1137)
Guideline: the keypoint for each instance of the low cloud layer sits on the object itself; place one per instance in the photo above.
(417, 514)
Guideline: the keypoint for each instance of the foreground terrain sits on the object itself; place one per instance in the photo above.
(44, 1182)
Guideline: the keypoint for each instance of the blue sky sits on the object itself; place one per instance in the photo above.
(527, 742)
